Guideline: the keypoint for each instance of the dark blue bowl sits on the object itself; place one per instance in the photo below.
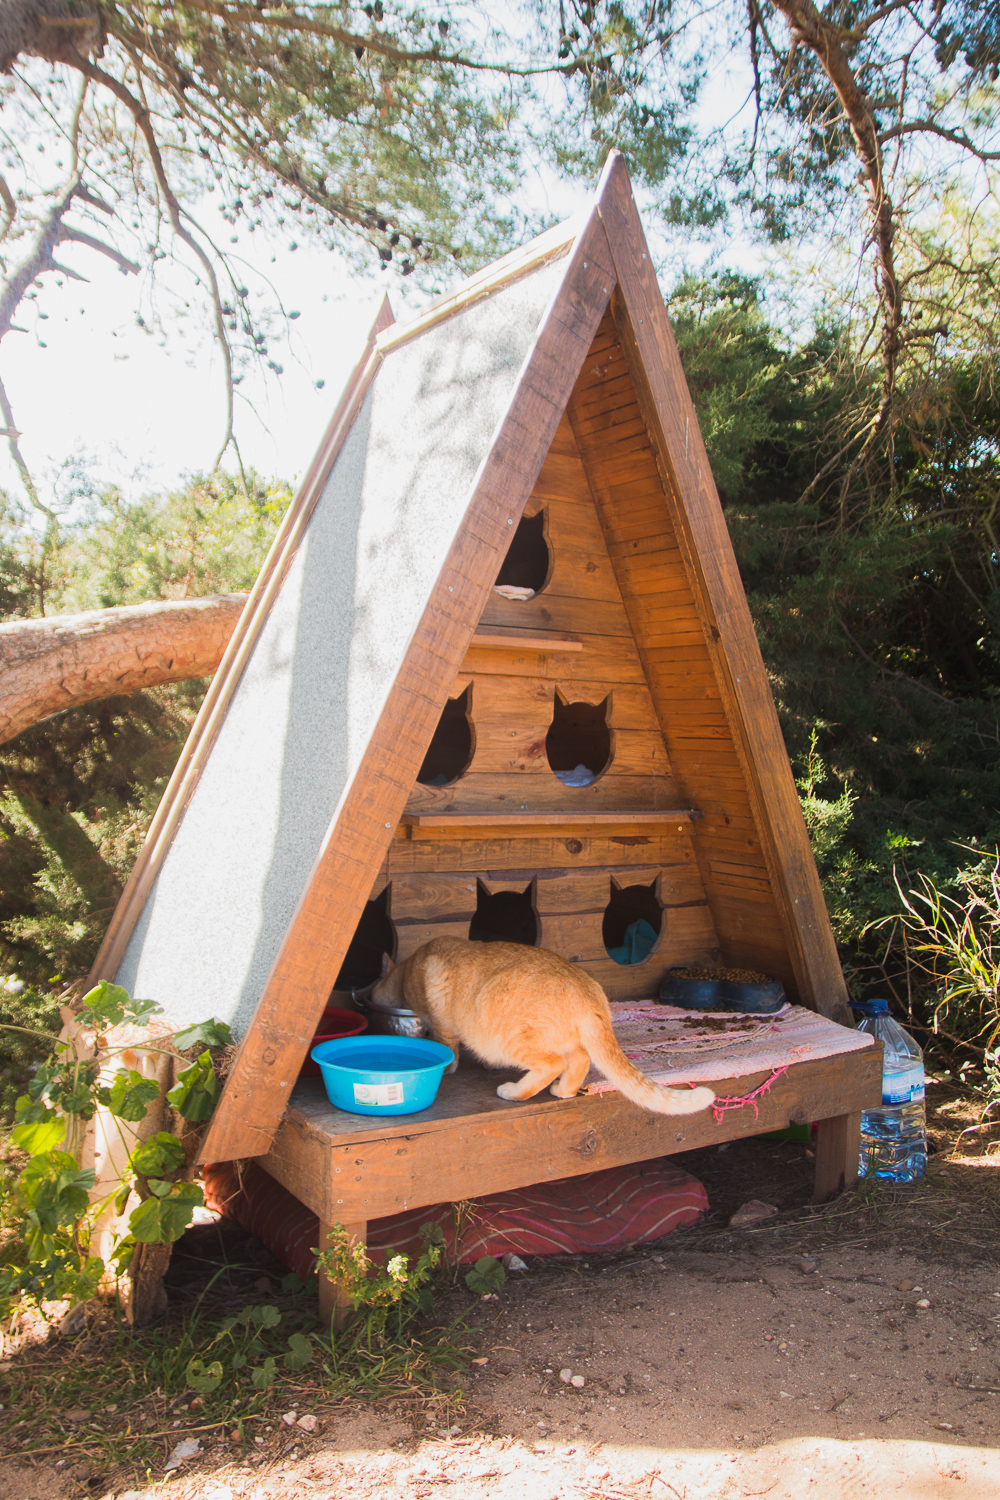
(692, 994)
(721, 994)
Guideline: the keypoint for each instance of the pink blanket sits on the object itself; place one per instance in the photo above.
(689, 1046)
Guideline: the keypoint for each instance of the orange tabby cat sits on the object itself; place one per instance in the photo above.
(525, 1008)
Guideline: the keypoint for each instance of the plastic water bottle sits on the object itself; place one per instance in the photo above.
(894, 1138)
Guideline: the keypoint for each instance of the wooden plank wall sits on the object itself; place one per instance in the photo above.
(434, 884)
(621, 469)
(513, 689)
(434, 880)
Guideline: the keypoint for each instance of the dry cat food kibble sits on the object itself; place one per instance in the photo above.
(732, 976)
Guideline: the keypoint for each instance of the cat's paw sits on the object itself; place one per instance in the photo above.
(508, 1091)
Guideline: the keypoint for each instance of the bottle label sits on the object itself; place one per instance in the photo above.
(903, 1088)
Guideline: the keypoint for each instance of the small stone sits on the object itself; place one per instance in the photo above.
(753, 1212)
(565, 1376)
(924, 1302)
(185, 1449)
(904, 1286)
(234, 1436)
(308, 1423)
(455, 1430)
(259, 1441)
(263, 1285)
(945, 1426)
(578, 1382)
(807, 1267)
(290, 1418)
(512, 1262)
(75, 1321)
(77, 1414)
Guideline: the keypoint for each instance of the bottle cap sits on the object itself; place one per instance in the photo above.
(869, 1008)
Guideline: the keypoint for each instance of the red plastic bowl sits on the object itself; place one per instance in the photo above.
(334, 1022)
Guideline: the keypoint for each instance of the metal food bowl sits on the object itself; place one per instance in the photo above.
(388, 1020)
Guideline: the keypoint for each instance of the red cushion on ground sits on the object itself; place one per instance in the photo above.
(607, 1210)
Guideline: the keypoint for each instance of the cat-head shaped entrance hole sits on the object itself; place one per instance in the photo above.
(525, 569)
(579, 744)
(633, 921)
(373, 936)
(505, 916)
(451, 750)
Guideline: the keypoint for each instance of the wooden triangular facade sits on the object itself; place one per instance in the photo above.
(585, 423)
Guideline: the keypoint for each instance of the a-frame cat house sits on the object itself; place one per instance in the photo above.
(389, 739)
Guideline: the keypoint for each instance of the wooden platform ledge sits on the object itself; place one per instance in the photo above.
(352, 1168)
(523, 824)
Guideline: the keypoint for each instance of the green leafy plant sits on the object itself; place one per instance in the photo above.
(52, 1195)
(389, 1295)
(487, 1275)
(243, 1349)
(954, 941)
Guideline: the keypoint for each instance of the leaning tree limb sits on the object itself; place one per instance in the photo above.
(47, 666)
(830, 45)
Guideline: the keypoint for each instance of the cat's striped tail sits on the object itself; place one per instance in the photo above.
(602, 1046)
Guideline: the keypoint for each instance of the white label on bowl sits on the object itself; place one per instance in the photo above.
(378, 1093)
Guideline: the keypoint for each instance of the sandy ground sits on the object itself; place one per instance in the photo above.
(852, 1355)
(706, 1375)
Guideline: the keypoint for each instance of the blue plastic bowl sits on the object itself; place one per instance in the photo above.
(382, 1075)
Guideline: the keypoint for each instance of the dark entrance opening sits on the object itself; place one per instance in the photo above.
(526, 565)
(578, 743)
(373, 936)
(633, 919)
(507, 917)
(450, 751)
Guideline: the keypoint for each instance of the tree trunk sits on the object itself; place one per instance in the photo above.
(62, 662)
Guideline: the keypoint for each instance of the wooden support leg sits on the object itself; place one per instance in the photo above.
(333, 1300)
(838, 1148)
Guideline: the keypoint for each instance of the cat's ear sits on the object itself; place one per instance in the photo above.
(387, 966)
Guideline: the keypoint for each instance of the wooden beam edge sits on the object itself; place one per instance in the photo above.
(551, 245)
(729, 632)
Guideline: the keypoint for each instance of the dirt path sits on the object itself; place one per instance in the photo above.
(849, 1352)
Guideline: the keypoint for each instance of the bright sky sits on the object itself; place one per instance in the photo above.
(143, 411)
(146, 412)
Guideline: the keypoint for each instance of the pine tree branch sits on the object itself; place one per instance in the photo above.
(823, 39)
(929, 127)
(10, 207)
(68, 233)
(12, 435)
(288, 20)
